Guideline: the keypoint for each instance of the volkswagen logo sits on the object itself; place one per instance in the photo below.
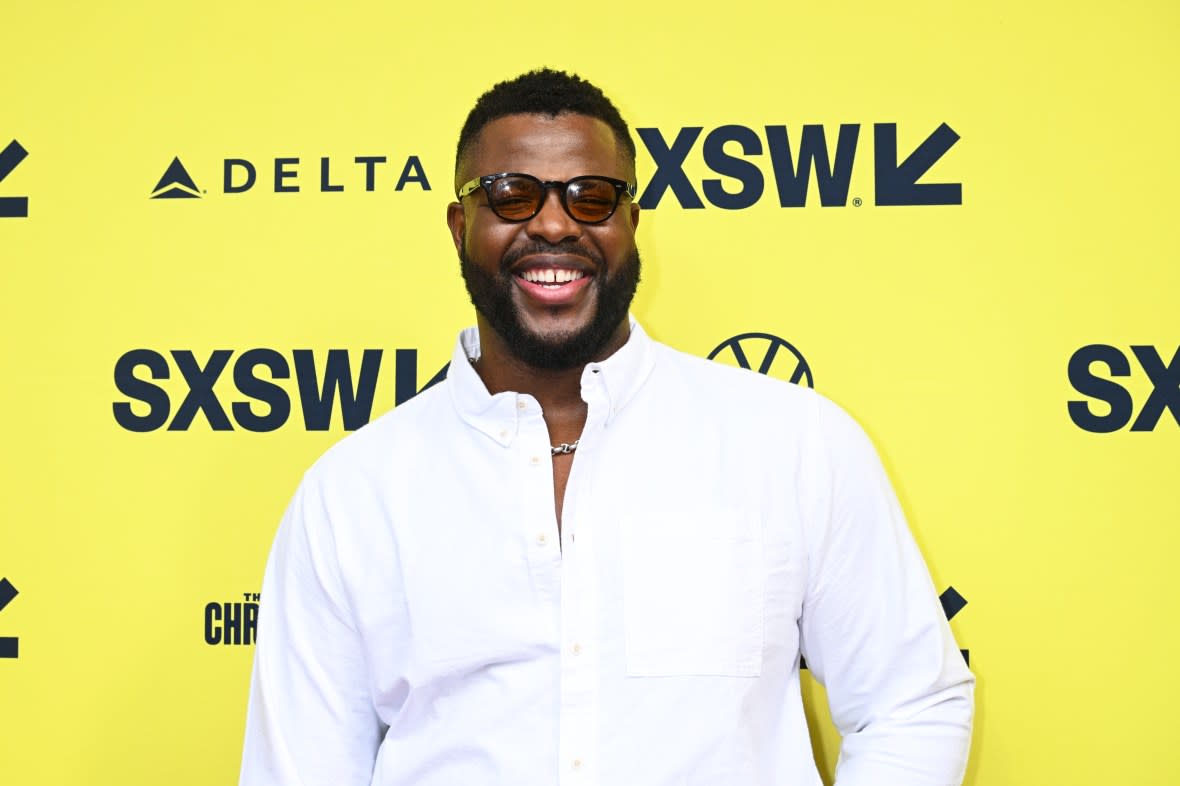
(774, 356)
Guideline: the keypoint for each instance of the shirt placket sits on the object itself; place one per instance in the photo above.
(540, 530)
(579, 595)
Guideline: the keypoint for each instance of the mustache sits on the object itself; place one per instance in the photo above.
(565, 248)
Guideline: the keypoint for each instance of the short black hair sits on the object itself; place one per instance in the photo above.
(543, 92)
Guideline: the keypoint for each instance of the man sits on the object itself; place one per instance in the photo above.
(585, 558)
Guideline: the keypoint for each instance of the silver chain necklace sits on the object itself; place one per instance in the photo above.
(565, 447)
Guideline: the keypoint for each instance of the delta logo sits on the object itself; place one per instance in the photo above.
(289, 175)
(176, 183)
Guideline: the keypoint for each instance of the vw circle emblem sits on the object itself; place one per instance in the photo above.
(771, 353)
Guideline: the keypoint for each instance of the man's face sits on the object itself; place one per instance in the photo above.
(555, 291)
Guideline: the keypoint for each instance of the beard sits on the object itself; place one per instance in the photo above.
(492, 293)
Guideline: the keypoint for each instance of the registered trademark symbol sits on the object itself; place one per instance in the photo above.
(856, 202)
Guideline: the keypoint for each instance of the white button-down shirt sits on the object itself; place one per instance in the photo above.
(423, 623)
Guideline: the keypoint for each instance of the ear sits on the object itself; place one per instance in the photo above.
(457, 221)
(634, 214)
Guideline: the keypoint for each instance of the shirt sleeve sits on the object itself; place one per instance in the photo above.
(311, 718)
(873, 630)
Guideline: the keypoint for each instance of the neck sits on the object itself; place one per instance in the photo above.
(559, 392)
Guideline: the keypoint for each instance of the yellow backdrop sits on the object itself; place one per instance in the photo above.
(134, 532)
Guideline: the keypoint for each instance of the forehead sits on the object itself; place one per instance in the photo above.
(549, 147)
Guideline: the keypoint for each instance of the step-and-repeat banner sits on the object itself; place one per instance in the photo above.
(222, 247)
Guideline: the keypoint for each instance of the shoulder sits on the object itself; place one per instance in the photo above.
(729, 386)
(758, 403)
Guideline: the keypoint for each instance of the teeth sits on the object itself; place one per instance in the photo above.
(551, 276)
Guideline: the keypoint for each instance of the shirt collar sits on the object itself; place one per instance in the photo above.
(613, 382)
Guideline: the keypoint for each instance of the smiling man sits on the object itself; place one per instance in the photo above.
(558, 297)
(586, 558)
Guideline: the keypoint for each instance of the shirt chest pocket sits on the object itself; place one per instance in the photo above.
(693, 593)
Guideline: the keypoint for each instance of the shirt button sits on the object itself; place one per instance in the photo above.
(576, 764)
(576, 649)
(522, 404)
(504, 434)
(535, 460)
(542, 539)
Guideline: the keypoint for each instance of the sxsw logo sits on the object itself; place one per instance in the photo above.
(791, 167)
(766, 354)
(10, 157)
(292, 175)
(1164, 379)
(338, 381)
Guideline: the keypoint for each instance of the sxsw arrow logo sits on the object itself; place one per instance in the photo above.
(783, 162)
(176, 183)
(952, 603)
(8, 644)
(898, 184)
(12, 207)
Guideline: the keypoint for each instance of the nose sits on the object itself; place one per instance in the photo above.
(552, 223)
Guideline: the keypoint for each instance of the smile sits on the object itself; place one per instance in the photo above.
(551, 278)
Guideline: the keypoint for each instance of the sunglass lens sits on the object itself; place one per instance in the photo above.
(590, 199)
(515, 198)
